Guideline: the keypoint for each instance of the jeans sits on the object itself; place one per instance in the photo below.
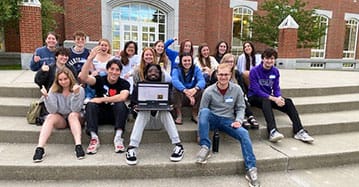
(267, 107)
(210, 121)
(115, 113)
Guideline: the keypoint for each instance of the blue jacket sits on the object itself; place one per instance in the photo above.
(172, 54)
(178, 81)
(46, 56)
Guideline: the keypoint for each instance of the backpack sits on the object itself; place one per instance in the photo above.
(34, 111)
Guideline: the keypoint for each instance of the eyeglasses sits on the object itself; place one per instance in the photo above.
(228, 61)
(223, 74)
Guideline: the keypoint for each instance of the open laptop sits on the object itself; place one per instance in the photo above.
(153, 96)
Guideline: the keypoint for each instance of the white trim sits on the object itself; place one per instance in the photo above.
(288, 23)
(34, 3)
(251, 4)
(327, 13)
(349, 16)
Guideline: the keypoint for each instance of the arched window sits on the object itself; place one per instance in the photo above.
(319, 51)
(241, 30)
(351, 38)
(138, 22)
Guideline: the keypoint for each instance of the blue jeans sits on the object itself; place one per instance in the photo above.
(209, 121)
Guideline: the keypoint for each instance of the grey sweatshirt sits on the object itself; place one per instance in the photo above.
(230, 105)
(64, 105)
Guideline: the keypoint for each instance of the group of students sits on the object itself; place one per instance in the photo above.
(219, 89)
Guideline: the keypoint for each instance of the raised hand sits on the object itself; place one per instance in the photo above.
(76, 88)
(44, 91)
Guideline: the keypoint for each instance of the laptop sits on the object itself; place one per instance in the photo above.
(153, 96)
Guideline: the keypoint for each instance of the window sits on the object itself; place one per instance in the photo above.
(138, 22)
(350, 40)
(319, 51)
(241, 31)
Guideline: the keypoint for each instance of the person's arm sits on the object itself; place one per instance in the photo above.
(51, 102)
(241, 63)
(77, 98)
(35, 63)
(239, 106)
(254, 85)
(176, 82)
(84, 75)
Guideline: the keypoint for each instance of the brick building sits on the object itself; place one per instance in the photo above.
(198, 20)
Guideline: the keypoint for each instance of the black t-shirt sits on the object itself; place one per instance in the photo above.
(104, 88)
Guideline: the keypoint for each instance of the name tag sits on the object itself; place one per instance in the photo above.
(272, 76)
(228, 99)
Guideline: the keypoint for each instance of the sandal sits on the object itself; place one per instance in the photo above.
(178, 120)
(194, 119)
(245, 124)
(254, 123)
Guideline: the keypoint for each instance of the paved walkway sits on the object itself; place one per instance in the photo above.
(289, 78)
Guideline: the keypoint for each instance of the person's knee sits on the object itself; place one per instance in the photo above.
(73, 116)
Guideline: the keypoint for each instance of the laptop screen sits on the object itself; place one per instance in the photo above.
(153, 91)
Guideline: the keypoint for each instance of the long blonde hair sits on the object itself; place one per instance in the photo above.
(56, 87)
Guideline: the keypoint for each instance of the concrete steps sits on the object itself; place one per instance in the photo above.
(61, 164)
(328, 111)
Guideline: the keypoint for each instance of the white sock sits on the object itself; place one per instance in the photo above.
(118, 133)
(93, 135)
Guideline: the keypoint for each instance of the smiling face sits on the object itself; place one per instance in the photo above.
(148, 56)
(222, 48)
(187, 47)
(248, 48)
(63, 80)
(159, 48)
(205, 51)
(268, 62)
(186, 62)
(61, 59)
(80, 41)
(113, 73)
(153, 73)
(105, 47)
(224, 74)
(51, 41)
(130, 50)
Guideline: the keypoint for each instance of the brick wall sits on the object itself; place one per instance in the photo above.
(83, 15)
(30, 29)
(12, 39)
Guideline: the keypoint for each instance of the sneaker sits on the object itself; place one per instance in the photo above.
(245, 124)
(131, 158)
(252, 177)
(79, 151)
(275, 136)
(39, 154)
(118, 143)
(203, 155)
(93, 146)
(303, 136)
(178, 153)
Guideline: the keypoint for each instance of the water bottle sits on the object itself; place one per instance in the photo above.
(215, 146)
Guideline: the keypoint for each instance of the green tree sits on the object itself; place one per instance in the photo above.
(10, 14)
(48, 11)
(265, 27)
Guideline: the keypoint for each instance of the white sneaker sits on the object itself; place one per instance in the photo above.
(303, 136)
(118, 143)
(275, 136)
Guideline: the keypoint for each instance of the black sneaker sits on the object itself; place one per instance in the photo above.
(39, 154)
(79, 151)
(178, 153)
(131, 158)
